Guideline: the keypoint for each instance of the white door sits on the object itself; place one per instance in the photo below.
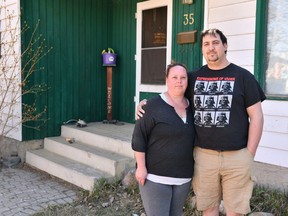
(153, 45)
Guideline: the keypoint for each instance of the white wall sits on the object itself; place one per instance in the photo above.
(237, 19)
(274, 143)
(239, 28)
(10, 74)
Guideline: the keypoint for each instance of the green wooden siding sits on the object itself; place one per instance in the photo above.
(189, 54)
(122, 30)
(79, 30)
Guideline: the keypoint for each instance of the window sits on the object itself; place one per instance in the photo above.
(154, 31)
(276, 66)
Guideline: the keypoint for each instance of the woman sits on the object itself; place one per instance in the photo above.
(163, 141)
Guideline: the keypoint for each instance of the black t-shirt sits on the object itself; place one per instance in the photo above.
(220, 99)
(166, 140)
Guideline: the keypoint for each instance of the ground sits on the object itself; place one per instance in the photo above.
(108, 198)
(112, 198)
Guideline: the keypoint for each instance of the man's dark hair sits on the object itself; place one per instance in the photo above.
(213, 32)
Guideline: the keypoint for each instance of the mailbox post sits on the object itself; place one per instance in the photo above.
(109, 93)
(109, 61)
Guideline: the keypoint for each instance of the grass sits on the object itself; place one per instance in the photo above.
(111, 198)
(268, 200)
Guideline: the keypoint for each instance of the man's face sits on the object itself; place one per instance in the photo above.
(213, 50)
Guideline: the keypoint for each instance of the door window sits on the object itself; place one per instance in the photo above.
(154, 31)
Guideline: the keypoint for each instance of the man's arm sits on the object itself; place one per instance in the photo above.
(256, 127)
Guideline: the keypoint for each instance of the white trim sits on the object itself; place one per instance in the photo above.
(206, 24)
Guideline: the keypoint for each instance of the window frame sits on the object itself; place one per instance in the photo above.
(260, 64)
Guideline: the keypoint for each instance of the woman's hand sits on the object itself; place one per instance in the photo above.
(139, 110)
(140, 175)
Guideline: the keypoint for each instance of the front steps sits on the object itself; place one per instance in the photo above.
(99, 150)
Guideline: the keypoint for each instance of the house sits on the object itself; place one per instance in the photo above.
(146, 35)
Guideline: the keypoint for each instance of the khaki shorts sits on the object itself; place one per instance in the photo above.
(223, 175)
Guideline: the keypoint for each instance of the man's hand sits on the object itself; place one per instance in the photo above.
(139, 110)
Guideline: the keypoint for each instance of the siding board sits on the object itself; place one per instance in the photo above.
(275, 108)
(242, 42)
(233, 12)
(236, 27)
(220, 3)
(272, 156)
(241, 57)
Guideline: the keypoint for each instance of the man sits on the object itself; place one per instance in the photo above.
(224, 154)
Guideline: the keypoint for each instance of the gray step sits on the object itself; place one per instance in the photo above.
(107, 161)
(105, 136)
(69, 170)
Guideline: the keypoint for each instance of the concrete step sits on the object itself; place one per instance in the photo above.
(109, 137)
(101, 159)
(64, 168)
(99, 150)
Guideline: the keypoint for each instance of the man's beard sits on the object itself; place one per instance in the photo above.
(214, 58)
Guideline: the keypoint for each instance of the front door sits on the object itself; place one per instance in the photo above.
(153, 46)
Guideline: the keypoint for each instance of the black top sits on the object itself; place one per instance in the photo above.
(167, 141)
(220, 99)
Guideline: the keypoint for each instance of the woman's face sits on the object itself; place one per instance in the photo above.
(177, 80)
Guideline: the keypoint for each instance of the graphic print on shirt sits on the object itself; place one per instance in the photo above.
(212, 101)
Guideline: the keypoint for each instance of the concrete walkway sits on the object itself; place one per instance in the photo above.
(25, 191)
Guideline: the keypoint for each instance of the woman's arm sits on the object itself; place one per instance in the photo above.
(141, 171)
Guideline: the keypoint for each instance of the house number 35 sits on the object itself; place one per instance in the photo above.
(188, 19)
